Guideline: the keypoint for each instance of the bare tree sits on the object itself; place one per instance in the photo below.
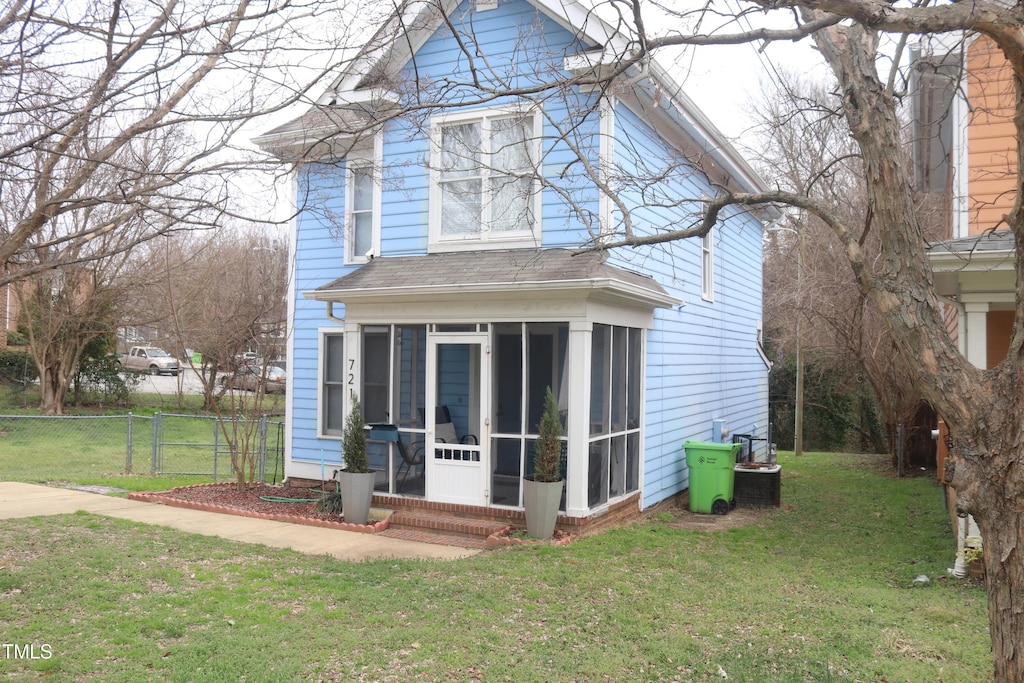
(809, 152)
(66, 308)
(137, 106)
(982, 407)
(223, 295)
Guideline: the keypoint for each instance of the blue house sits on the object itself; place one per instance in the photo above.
(448, 188)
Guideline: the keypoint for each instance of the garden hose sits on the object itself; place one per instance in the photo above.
(280, 499)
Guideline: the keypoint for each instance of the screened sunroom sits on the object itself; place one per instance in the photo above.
(452, 354)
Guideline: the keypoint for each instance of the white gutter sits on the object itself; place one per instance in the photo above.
(631, 291)
(948, 262)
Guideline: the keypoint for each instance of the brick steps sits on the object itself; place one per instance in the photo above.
(435, 538)
(442, 528)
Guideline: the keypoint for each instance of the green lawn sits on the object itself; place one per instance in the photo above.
(90, 447)
(820, 590)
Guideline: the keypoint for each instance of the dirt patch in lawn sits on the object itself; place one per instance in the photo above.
(676, 514)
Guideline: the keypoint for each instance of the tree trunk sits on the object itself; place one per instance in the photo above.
(981, 407)
(990, 486)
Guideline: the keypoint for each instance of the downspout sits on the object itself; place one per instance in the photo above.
(960, 565)
(331, 316)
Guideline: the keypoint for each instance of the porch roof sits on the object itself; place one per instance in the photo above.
(991, 250)
(514, 272)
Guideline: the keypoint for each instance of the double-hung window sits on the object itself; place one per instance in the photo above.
(363, 203)
(360, 214)
(483, 178)
(333, 379)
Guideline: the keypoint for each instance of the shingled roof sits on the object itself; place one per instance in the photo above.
(478, 270)
(995, 240)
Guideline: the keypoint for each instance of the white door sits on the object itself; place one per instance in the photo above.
(457, 422)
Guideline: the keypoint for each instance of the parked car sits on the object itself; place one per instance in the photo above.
(251, 378)
(247, 358)
(150, 359)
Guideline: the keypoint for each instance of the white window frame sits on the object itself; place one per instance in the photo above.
(321, 379)
(529, 237)
(363, 159)
(707, 266)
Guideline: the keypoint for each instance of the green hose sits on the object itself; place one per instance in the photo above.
(280, 499)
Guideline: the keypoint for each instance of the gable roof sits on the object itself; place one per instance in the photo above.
(362, 85)
(517, 270)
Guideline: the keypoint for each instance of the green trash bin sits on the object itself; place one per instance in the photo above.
(712, 475)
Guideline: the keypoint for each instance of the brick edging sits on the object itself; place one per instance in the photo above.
(147, 497)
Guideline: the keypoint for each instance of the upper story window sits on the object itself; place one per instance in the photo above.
(707, 266)
(361, 211)
(483, 183)
(362, 204)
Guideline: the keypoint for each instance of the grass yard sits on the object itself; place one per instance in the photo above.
(821, 590)
(92, 448)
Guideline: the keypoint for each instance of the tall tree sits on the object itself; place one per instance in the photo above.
(220, 294)
(809, 151)
(138, 106)
(983, 407)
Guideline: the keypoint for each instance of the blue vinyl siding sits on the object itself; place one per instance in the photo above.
(319, 258)
(702, 361)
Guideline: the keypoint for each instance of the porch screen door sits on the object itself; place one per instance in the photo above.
(457, 422)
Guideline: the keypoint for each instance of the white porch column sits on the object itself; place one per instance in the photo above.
(976, 336)
(578, 420)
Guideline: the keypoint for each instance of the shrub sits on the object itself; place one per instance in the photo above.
(547, 454)
(17, 367)
(353, 440)
(16, 338)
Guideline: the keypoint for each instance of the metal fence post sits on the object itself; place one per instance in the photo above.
(263, 448)
(216, 445)
(155, 443)
(128, 461)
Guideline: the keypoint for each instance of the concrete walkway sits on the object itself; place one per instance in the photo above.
(30, 500)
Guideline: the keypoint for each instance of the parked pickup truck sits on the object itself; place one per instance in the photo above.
(150, 359)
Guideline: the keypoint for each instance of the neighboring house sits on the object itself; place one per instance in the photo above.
(974, 268)
(436, 277)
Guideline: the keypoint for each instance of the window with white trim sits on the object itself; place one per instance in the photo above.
(707, 266)
(363, 203)
(484, 186)
(332, 396)
(360, 211)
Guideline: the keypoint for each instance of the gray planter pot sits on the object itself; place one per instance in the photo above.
(356, 494)
(541, 499)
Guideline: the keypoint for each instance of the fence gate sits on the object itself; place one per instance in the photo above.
(201, 445)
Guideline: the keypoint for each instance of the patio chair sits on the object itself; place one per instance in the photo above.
(410, 460)
(444, 429)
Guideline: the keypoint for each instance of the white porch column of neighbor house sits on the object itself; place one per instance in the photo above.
(976, 319)
(578, 420)
(976, 350)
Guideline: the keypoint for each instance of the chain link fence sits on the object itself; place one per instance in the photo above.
(74, 447)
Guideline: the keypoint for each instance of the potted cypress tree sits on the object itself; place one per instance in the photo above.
(356, 480)
(542, 491)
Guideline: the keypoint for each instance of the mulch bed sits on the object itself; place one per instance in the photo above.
(228, 499)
